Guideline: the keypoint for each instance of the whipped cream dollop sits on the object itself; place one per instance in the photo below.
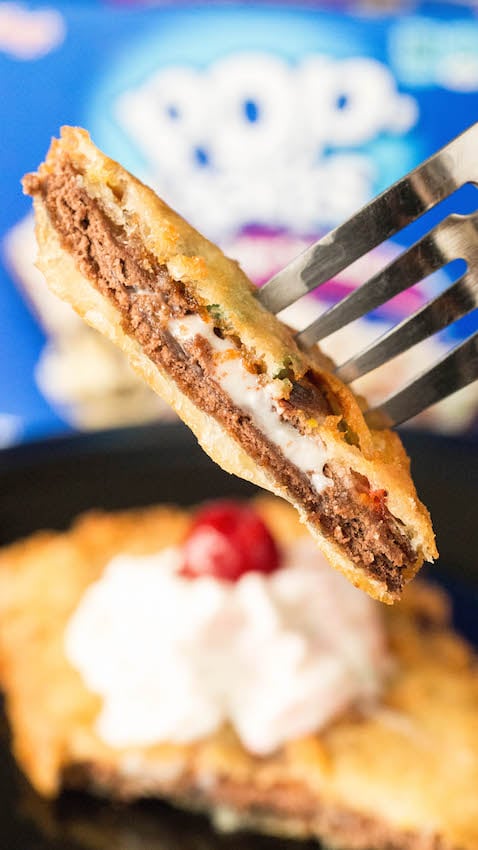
(276, 656)
(250, 395)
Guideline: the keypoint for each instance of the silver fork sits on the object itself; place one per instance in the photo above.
(454, 237)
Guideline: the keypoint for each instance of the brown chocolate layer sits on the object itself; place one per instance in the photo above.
(147, 296)
(287, 809)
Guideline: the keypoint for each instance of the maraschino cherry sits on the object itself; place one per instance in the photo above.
(226, 540)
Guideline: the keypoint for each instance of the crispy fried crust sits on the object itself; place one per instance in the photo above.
(214, 279)
(403, 777)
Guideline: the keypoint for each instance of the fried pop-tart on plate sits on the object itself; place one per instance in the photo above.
(276, 696)
(190, 322)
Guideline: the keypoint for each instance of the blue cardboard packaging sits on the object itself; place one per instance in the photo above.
(263, 124)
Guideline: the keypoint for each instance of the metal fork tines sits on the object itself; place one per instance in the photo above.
(456, 237)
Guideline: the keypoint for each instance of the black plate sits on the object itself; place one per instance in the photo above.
(45, 485)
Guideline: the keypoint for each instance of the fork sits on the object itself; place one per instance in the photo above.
(455, 237)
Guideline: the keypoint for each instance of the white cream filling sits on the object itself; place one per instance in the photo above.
(275, 656)
(246, 391)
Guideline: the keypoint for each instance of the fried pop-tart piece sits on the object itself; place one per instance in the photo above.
(190, 322)
(399, 773)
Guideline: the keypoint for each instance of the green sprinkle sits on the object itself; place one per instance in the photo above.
(285, 371)
(215, 311)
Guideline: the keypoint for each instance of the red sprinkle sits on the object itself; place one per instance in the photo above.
(226, 540)
(378, 499)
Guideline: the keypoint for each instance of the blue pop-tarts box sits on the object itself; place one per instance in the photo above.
(264, 124)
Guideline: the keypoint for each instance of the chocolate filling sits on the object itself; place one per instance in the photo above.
(289, 808)
(146, 295)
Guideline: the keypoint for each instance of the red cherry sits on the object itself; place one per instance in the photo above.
(226, 540)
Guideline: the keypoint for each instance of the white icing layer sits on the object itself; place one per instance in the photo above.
(173, 659)
(256, 399)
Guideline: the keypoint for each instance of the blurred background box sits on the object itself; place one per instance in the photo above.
(264, 125)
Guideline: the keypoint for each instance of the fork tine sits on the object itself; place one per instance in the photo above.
(456, 370)
(420, 260)
(454, 237)
(402, 203)
(456, 301)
